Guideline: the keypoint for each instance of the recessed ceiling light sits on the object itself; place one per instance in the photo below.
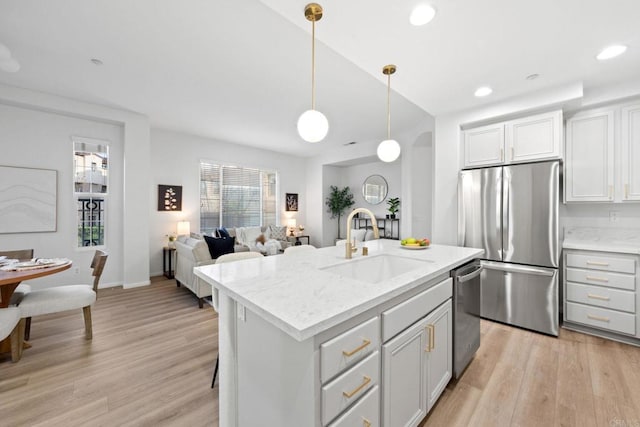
(96, 61)
(532, 76)
(9, 65)
(611, 52)
(483, 91)
(422, 14)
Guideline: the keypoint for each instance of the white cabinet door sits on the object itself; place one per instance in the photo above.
(404, 387)
(440, 351)
(589, 157)
(484, 146)
(630, 152)
(536, 137)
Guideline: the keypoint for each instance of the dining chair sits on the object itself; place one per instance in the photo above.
(236, 256)
(11, 325)
(23, 288)
(293, 250)
(63, 298)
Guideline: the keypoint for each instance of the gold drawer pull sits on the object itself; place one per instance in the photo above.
(611, 192)
(366, 422)
(357, 349)
(602, 319)
(597, 279)
(431, 330)
(602, 264)
(626, 191)
(366, 381)
(598, 297)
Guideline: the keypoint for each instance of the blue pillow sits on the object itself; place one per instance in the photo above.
(222, 232)
(220, 245)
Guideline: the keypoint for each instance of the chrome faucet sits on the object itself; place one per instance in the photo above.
(352, 248)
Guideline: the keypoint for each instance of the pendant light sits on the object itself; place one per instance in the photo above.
(389, 149)
(312, 124)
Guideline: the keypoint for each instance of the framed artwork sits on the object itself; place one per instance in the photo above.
(28, 199)
(292, 202)
(170, 198)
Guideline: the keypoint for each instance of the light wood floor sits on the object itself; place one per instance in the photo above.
(153, 351)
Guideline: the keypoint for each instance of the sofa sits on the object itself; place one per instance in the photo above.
(193, 251)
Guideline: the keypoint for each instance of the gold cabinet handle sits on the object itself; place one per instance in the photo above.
(365, 342)
(349, 395)
(601, 264)
(502, 154)
(602, 319)
(366, 422)
(593, 296)
(611, 192)
(597, 279)
(626, 191)
(431, 331)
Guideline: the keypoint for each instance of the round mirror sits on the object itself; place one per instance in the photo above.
(374, 189)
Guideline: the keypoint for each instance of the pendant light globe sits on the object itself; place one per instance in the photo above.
(313, 126)
(388, 150)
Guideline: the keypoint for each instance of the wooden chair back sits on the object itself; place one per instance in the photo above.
(21, 254)
(98, 262)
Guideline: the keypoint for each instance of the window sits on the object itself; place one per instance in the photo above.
(91, 165)
(236, 197)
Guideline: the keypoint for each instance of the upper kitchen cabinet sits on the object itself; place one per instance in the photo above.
(484, 146)
(602, 160)
(521, 140)
(589, 159)
(630, 149)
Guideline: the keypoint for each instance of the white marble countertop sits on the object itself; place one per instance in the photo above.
(293, 292)
(620, 240)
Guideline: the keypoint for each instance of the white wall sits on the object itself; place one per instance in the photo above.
(354, 176)
(39, 139)
(175, 160)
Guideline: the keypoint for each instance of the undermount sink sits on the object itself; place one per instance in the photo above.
(375, 269)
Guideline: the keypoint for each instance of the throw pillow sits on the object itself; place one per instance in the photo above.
(219, 245)
(222, 232)
(250, 234)
(278, 233)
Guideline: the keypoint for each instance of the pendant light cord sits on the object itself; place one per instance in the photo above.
(389, 106)
(313, 65)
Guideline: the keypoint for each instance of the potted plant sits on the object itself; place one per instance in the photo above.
(394, 205)
(338, 201)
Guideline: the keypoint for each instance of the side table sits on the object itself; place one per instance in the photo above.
(297, 241)
(167, 262)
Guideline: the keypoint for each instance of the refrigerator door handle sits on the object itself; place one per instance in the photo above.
(475, 273)
(510, 268)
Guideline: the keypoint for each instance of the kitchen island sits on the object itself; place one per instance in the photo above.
(311, 339)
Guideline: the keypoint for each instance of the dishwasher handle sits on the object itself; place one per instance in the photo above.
(475, 273)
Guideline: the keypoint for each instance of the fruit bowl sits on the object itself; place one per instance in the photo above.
(413, 243)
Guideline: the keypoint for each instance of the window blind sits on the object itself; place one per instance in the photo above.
(233, 196)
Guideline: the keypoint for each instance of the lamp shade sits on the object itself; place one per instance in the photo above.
(388, 150)
(313, 126)
(291, 223)
(184, 228)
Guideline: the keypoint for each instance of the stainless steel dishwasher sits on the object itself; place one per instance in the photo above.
(466, 315)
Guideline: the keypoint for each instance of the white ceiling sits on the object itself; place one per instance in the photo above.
(239, 71)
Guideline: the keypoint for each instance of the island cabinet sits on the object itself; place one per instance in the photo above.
(385, 367)
(525, 139)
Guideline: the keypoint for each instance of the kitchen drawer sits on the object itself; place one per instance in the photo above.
(597, 262)
(364, 413)
(406, 313)
(349, 387)
(602, 318)
(602, 297)
(348, 348)
(601, 278)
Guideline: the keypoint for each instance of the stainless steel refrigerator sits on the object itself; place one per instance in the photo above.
(512, 213)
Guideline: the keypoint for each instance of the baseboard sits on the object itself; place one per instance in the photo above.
(136, 285)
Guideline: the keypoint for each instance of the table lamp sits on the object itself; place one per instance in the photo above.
(291, 223)
(184, 228)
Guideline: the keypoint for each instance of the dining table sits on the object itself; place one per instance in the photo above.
(9, 281)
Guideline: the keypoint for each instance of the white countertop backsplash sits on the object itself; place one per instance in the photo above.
(621, 240)
(294, 294)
